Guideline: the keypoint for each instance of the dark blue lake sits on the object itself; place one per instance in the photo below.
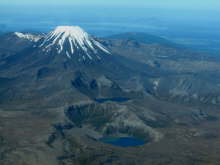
(123, 141)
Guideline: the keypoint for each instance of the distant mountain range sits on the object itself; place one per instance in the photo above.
(143, 37)
(61, 92)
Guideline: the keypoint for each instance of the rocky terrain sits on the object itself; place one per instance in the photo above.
(60, 93)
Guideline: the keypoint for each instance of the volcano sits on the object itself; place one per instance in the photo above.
(73, 42)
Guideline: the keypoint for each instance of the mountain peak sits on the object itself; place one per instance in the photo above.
(70, 30)
(73, 40)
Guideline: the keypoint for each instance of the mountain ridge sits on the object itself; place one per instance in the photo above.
(144, 38)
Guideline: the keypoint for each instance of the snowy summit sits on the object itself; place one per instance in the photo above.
(72, 40)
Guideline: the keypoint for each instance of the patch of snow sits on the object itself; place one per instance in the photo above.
(84, 58)
(101, 47)
(156, 84)
(68, 55)
(29, 37)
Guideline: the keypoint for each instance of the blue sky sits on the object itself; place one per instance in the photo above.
(178, 4)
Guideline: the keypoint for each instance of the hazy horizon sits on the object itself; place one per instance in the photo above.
(149, 18)
(174, 20)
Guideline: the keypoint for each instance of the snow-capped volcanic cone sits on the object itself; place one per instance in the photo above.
(73, 42)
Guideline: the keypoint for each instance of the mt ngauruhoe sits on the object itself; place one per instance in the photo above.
(73, 41)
